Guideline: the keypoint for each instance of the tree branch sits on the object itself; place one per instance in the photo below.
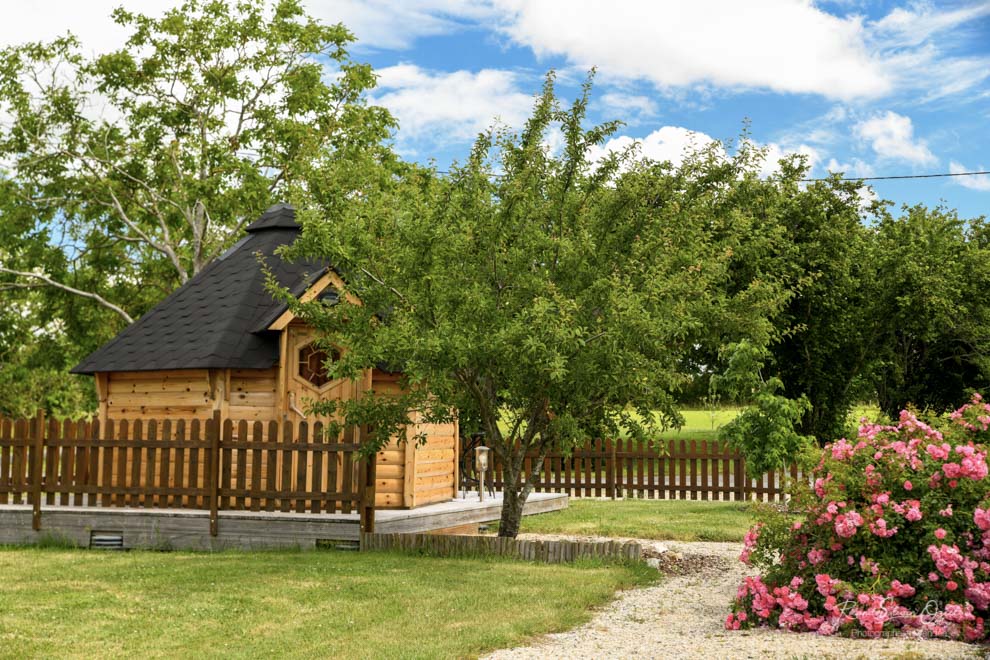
(103, 302)
(381, 283)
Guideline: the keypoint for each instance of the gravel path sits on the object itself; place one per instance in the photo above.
(682, 617)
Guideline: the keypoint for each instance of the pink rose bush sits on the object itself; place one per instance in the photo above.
(894, 535)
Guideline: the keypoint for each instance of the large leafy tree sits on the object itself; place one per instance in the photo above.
(890, 307)
(34, 357)
(553, 297)
(125, 173)
(811, 239)
(933, 306)
(828, 329)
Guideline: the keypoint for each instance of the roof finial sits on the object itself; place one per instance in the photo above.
(277, 216)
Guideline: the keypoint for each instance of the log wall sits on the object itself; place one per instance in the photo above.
(179, 394)
(253, 394)
(412, 473)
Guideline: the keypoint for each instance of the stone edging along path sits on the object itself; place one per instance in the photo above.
(682, 616)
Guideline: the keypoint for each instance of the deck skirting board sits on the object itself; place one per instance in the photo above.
(187, 529)
(172, 529)
(459, 512)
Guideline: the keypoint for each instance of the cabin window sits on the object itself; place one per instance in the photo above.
(313, 364)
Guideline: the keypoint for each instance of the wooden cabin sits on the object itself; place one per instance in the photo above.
(220, 342)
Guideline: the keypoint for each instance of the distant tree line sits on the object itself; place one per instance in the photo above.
(883, 308)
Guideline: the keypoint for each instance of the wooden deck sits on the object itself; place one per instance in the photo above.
(190, 529)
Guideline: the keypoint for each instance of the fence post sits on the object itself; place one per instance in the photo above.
(213, 433)
(36, 475)
(366, 487)
(740, 478)
(611, 468)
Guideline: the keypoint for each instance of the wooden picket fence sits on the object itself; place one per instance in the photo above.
(550, 552)
(214, 464)
(677, 469)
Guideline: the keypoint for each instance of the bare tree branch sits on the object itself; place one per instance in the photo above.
(65, 287)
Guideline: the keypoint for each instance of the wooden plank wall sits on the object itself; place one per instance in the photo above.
(433, 464)
(411, 474)
(243, 394)
(680, 469)
(179, 394)
(249, 394)
(253, 394)
(390, 478)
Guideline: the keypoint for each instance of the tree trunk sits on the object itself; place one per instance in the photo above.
(512, 505)
(516, 490)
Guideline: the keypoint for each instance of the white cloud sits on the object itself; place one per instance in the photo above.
(450, 105)
(627, 106)
(855, 168)
(376, 23)
(775, 153)
(788, 46)
(892, 137)
(43, 20)
(782, 45)
(397, 25)
(823, 130)
(675, 143)
(669, 143)
(979, 182)
(922, 21)
(867, 195)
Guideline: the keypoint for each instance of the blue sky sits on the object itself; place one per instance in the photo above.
(869, 87)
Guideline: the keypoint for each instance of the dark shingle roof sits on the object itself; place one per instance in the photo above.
(218, 319)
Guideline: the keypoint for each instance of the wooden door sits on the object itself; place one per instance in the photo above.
(308, 380)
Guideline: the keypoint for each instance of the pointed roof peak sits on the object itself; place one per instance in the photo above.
(216, 320)
(277, 216)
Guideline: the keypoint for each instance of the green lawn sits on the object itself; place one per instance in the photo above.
(676, 520)
(84, 604)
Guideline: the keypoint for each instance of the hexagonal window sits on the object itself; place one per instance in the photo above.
(313, 364)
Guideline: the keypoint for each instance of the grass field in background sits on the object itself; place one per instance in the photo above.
(676, 520)
(84, 603)
(703, 424)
